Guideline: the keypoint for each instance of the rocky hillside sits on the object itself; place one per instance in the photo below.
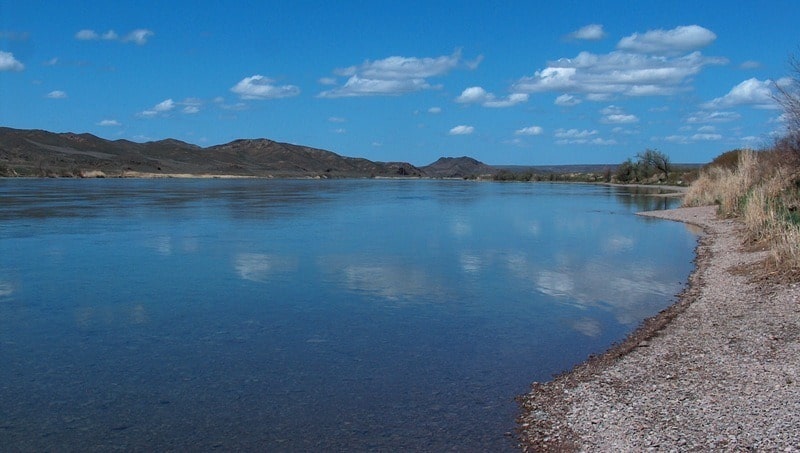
(42, 153)
(457, 167)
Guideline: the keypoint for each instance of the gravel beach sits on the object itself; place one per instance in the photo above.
(717, 371)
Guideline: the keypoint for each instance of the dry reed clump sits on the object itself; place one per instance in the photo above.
(759, 215)
(763, 191)
(787, 247)
(723, 186)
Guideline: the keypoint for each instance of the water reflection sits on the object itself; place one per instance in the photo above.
(403, 315)
(471, 263)
(461, 228)
(259, 267)
(587, 326)
(614, 278)
(393, 281)
(89, 317)
(162, 245)
(630, 291)
(552, 283)
(618, 244)
(647, 199)
(6, 289)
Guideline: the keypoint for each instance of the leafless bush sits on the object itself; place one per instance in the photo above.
(788, 96)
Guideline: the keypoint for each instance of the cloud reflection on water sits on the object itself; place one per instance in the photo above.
(470, 263)
(259, 267)
(166, 245)
(393, 281)
(6, 289)
(461, 228)
(617, 243)
(629, 290)
(587, 326)
(94, 315)
(161, 244)
(556, 284)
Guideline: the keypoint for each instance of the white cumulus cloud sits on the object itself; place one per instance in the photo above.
(191, 105)
(567, 100)
(712, 117)
(108, 123)
(472, 94)
(530, 130)
(57, 94)
(698, 137)
(706, 137)
(394, 75)
(591, 32)
(9, 63)
(680, 39)
(138, 36)
(260, 87)
(575, 133)
(510, 100)
(86, 35)
(615, 115)
(359, 86)
(462, 130)
(758, 93)
(581, 137)
(435, 110)
(619, 118)
(404, 67)
(618, 72)
(477, 95)
(162, 108)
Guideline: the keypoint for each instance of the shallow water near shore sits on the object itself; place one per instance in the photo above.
(310, 315)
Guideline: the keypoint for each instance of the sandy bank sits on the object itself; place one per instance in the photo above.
(144, 175)
(718, 371)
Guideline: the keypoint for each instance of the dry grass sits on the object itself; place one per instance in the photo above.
(763, 191)
(787, 249)
(723, 186)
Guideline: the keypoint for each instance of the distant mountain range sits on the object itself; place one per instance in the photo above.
(43, 153)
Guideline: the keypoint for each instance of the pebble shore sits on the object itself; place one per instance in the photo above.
(717, 371)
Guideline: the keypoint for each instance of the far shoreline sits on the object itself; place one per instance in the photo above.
(670, 190)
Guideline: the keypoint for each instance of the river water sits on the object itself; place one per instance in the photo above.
(296, 315)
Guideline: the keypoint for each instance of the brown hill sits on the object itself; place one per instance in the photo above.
(42, 153)
(457, 167)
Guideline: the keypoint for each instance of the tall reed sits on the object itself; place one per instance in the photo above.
(764, 192)
(723, 186)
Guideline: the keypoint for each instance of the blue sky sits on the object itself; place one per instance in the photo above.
(507, 83)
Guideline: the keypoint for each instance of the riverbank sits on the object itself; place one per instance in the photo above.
(717, 371)
(665, 190)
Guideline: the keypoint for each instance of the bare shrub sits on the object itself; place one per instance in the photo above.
(788, 96)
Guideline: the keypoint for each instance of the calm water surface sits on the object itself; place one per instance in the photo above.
(310, 315)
